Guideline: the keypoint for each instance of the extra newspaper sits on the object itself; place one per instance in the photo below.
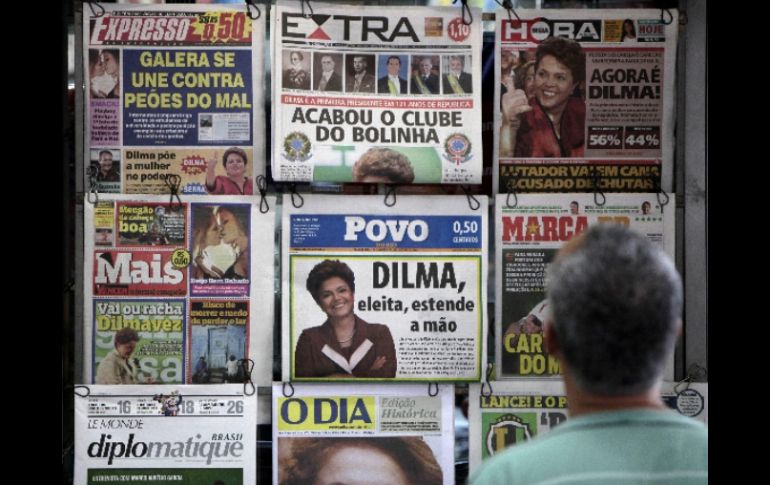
(358, 88)
(174, 292)
(527, 238)
(602, 101)
(325, 433)
(169, 89)
(376, 292)
(156, 435)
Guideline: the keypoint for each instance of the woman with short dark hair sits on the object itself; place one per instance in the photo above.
(344, 345)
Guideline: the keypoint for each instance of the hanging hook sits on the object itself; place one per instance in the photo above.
(390, 192)
(488, 384)
(695, 371)
(248, 382)
(430, 387)
(685, 381)
(172, 181)
(670, 16)
(87, 393)
(511, 192)
(248, 10)
(92, 195)
(262, 188)
(303, 2)
(93, 12)
(662, 200)
(471, 199)
(508, 6)
(466, 10)
(597, 192)
(283, 389)
(293, 190)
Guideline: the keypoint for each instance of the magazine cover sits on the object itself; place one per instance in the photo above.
(384, 293)
(335, 434)
(584, 99)
(155, 435)
(513, 413)
(376, 93)
(178, 293)
(174, 90)
(528, 236)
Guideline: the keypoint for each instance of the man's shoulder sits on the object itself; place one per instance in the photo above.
(519, 461)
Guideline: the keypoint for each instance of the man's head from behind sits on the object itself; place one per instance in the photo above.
(615, 305)
(383, 165)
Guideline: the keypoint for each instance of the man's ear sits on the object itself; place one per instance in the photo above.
(551, 341)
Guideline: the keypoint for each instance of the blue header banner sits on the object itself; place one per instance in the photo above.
(385, 232)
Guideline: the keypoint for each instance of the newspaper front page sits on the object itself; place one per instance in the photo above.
(519, 411)
(156, 435)
(600, 102)
(174, 90)
(413, 276)
(376, 94)
(177, 294)
(514, 413)
(689, 399)
(527, 238)
(326, 433)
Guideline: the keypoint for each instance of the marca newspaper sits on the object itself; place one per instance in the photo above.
(350, 81)
(419, 300)
(389, 430)
(159, 434)
(170, 88)
(617, 126)
(192, 280)
(515, 412)
(527, 237)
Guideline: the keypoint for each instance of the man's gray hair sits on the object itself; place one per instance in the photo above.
(615, 302)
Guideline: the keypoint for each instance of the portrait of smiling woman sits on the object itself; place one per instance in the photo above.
(552, 122)
(394, 460)
(344, 345)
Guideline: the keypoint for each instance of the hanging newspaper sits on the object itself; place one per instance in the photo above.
(528, 237)
(514, 413)
(395, 434)
(177, 293)
(689, 399)
(375, 292)
(174, 90)
(519, 411)
(376, 94)
(155, 435)
(597, 110)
